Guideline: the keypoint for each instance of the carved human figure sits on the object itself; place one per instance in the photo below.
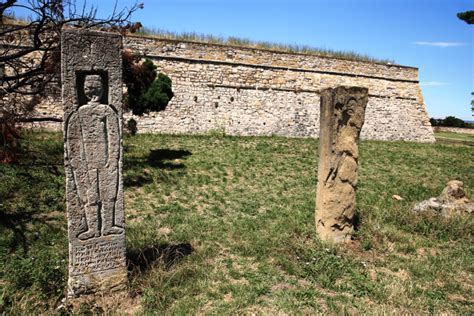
(94, 150)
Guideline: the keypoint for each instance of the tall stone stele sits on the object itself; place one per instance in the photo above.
(342, 117)
(92, 96)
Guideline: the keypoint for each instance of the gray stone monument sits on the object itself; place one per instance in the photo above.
(92, 97)
(342, 117)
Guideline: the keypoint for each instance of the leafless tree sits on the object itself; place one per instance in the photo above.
(30, 47)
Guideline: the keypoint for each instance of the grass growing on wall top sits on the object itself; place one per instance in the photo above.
(236, 41)
(226, 226)
(243, 42)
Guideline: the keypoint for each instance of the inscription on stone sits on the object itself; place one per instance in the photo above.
(92, 97)
(342, 118)
(95, 257)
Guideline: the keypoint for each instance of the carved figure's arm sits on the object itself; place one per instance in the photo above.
(113, 138)
(74, 141)
(75, 150)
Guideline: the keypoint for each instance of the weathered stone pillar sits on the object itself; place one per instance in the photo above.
(92, 98)
(342, 116)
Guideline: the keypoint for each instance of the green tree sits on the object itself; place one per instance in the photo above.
(452, 121)
(434, 122)
(147, 90)
(157, 96)
(472, 104)
(467, 17)
(449, 121)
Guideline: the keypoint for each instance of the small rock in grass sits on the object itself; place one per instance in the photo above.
(451, 202)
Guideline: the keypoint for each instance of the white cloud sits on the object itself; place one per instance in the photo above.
(440, 44)
(434, 83)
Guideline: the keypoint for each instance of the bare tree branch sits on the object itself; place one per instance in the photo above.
(30, 50)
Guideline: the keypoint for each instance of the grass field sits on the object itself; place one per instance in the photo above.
(447, 137)
(227, 226)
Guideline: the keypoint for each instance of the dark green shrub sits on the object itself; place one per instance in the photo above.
(157, 96)
(147, 91)
(132, 126)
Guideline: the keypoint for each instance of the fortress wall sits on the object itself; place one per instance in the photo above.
(246, 91)
(265, 57)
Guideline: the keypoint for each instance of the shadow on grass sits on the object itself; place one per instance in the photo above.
(31, 190)
(24, 224)
(157, 158)
(141, 260)
(137, 180)
(17, 223)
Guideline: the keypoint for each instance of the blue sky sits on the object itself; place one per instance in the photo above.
(420, 33)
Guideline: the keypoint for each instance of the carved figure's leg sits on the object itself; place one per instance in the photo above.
(91, 207)
(108, 193)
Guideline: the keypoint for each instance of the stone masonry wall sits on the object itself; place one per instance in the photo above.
(246, 91)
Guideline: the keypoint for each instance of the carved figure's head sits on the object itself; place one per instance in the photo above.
(93, 87)
(355, 114)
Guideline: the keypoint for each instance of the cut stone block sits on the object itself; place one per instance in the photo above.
(92, 98)
(342, 118)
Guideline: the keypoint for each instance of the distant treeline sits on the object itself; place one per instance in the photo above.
(451, 121)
